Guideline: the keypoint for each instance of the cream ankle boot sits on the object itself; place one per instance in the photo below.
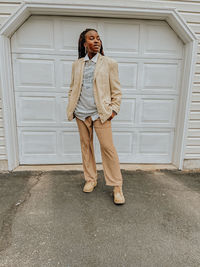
(118, 195)
(89, 186)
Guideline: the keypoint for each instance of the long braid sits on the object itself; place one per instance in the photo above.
(81, 41)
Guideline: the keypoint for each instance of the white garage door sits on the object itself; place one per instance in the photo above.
(150, 57)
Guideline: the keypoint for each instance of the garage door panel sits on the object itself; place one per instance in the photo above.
(47, 146)
(152, 159)
(160, 76)
(38, 142)
(168, 45)
(70, 143)
(29, 38)
(123, 142)
(147, 111)
(127, 111)
(34, 73)
(127, 43)
(62, 104)
(50, 73)
(154, 142)
(155, 77)
(128, 75)
(36, 110)
(154, 146)
(157, 111)
(45, 109)
(64, 75)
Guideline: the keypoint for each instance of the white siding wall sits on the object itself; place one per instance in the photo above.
(190, 10)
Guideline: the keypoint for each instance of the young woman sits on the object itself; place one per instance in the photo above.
(94, 99)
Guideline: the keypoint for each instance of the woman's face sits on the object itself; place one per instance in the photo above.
(92, 42)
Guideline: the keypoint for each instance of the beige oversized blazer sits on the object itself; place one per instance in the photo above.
(106, 86)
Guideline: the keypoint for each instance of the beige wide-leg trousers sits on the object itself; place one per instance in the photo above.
(110, 160)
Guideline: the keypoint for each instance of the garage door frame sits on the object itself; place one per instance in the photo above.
(170, 15)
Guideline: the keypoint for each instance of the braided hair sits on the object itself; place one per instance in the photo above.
(81, 41)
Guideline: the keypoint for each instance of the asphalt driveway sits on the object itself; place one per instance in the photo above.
(46, 220)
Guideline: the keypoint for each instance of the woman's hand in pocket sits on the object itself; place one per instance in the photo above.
(113, 115)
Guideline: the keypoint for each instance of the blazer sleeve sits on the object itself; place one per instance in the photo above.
(115, 87)
(72, 81)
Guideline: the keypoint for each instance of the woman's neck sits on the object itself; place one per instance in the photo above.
(91, 55)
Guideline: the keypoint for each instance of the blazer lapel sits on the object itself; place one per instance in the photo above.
(81, 67)
(98, 65)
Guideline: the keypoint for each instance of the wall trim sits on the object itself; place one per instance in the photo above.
(26, 9)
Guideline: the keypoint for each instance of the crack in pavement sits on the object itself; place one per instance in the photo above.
(9, 214)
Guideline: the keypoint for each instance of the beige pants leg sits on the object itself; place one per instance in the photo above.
(87, 148)
(110, 160)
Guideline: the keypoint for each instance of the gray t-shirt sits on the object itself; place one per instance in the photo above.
(86, 105)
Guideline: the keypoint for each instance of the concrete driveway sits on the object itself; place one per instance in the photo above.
(46, 220)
